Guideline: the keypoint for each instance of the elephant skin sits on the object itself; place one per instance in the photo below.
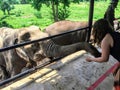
(13, 61)
(3, 73)
(27, 56)
(51, 50)
(65, 26)
(4, 32)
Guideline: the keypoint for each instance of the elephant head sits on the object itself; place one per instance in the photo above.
(28, 51)
(18, 58)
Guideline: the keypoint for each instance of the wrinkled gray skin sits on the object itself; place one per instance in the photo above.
(4, 32)
(50, 49)
(3, 73)
(65, 26)
(14, 60)
(61, 51)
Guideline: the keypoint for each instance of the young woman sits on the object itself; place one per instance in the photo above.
(109, 41)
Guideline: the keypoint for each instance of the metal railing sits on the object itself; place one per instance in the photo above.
(4, 82)
(30, 42)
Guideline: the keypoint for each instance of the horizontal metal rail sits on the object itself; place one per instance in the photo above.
(30, 42)
(7, 81)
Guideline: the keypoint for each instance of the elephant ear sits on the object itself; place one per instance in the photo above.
(21, 53)
(22, 37)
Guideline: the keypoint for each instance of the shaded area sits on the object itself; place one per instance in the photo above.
(5, 24)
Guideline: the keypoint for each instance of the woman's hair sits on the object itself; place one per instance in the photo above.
(100, 29)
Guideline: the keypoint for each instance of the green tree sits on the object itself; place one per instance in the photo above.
(6, 6)
(24, 1)
(14, 1)
(59, 8)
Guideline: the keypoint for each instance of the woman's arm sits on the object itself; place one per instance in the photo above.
(105, 46)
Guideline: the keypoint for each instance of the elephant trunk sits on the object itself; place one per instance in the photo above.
(68, 49)
(50, 49)
(91, 49)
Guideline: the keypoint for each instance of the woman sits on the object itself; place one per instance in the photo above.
(108, 40)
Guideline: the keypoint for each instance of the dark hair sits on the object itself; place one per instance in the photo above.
(100, 29)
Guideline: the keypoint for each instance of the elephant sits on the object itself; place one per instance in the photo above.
(49, 49)
(65, 26)
(1, 42)
(13, 61)
(5, 31)
(3, 72)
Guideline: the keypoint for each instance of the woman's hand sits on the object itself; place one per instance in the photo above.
(89, 59)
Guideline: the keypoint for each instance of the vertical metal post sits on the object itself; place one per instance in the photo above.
(91, 10)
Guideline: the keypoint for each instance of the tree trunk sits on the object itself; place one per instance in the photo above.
(57, 13)
(53, 10)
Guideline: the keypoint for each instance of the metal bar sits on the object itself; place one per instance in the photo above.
(90, 18)
(30, 42)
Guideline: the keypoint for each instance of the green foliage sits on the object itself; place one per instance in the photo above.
(4, 24)
(76, 1)
(37, 14)
(63, 13)
(18, 13)
(24, 1)
(37, 4)
(26, 14)
(15, 1)
(57, 9)
(6, 6)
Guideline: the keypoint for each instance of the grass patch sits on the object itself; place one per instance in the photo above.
(25, 15)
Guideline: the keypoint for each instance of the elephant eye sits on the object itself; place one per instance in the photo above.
(35, 46)
(25, 36)
(16, 41)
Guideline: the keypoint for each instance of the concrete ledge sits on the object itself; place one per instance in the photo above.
(70, 73)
